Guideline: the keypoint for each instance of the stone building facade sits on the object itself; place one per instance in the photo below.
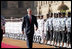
(18, 8)
(43, 7)
(15, 8)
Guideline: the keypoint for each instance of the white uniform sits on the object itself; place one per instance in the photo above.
(47, 24)
(37, 33)
(50, 23)
(41, 24)
(62, 28)
(45, 27)
(59, 24)
(55, 28)
(42, 28)
(62, 24)
(68, 24)
(56, 24)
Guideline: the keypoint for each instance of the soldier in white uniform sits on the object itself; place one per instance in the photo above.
(68, 28)
(37, 33)
(55, 28)
(63, 28)
(42, 29)
(39, 29)
(47, 29)
(59, 29)
(51, 27)
(38, 21)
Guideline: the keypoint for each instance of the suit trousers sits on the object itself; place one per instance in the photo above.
(1, 36)
(30, 40)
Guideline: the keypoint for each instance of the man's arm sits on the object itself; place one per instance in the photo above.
(23, 25)
(36, 23)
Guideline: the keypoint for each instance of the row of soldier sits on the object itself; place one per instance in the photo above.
(56, 28)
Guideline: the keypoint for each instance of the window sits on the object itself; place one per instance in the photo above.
(3, 4)
(46, 2)
(51, 2)
(41, 3)
(20, 4)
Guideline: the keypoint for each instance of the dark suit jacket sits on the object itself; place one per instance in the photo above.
(29, 28)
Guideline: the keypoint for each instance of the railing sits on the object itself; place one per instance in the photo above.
(13, 20)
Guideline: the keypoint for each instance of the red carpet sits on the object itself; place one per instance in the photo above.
(3, 45)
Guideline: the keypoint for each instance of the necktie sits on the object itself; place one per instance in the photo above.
(30, 19)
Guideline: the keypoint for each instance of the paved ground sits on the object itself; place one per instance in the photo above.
(22, 44)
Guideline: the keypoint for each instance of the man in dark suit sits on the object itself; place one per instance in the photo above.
(2, 29)
(28, 23)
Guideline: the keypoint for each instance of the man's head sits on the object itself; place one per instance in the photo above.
(38, 17)
(55, 15)
(51, 14)
(59, 14)
(29, 11)
(69, 14)
(41, 16)
(63, 14)
(47, 15)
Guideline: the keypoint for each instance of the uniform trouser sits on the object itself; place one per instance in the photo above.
(34, 38)
(68, 37)
(39, 39)
(51, 35)
(1, 36)
(47, 35)
(64, 38)
(59, 36)
(55, 36)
